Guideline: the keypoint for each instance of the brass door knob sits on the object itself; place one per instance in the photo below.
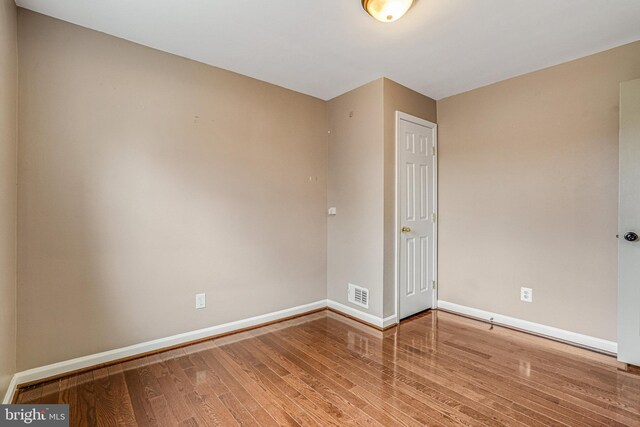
(406, 229)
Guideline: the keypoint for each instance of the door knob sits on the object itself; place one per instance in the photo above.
(406, 229)
(631, 237)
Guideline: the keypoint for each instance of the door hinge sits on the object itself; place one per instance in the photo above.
(433, 284)
(433, 150)
(434, 217)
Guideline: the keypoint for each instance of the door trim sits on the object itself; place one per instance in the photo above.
(422, 122)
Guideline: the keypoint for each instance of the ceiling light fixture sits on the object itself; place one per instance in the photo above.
(387, 10)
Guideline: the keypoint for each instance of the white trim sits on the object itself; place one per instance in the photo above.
(389, 321)
(136, 349)
(422, 122)
(91, 360)
(525, 325)
(361, 315)
(13, 385)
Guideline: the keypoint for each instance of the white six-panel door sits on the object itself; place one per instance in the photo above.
(416, 203)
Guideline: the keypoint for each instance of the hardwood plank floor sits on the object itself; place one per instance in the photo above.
(435, 369)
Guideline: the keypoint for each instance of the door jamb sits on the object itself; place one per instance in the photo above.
(422, 122)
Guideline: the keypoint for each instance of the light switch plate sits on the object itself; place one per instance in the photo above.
(201, 301)
(332, 211)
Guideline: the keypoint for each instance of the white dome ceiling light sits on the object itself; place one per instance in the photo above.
(387, 10)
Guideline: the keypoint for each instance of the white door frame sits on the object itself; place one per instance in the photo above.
(422, 122)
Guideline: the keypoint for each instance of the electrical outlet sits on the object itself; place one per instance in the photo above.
(526, 294)
(201, 301)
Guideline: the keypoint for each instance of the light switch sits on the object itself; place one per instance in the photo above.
(201, 301)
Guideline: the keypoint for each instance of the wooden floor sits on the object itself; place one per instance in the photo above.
(324, 369)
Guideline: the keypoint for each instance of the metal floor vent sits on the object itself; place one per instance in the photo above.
(358, 295)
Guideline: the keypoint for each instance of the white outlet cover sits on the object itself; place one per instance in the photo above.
(526, 294)
(201, 301)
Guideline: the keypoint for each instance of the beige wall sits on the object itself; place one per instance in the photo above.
(146, 178)
(356, 180)
(362, 188)
(8, 197)
(528, 193)
(396, 98)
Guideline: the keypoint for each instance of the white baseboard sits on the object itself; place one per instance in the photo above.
(149, 346)
(389, 321)
(83, 362)
(361, 315)
(536, 328)
(8, 397)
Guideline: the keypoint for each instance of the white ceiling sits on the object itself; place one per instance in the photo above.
(327, 47)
